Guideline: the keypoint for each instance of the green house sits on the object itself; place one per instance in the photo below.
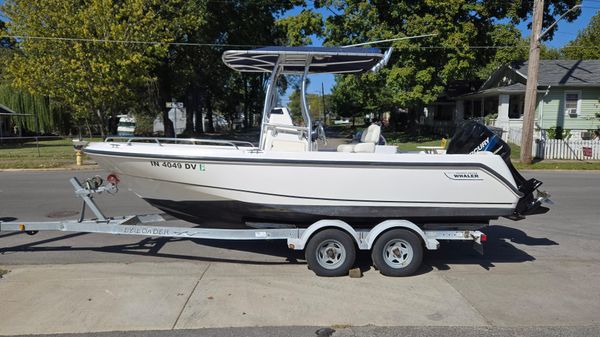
(568, 96)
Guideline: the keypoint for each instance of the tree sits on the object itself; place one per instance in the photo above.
(300, 27)
(91, 75)
(198, 76)
(587, 44)
(420, 69)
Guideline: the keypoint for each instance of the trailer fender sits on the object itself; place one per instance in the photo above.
(300, 242)
(430, 243)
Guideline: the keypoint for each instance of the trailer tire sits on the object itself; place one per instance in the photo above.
(398, 252)
(330, 252)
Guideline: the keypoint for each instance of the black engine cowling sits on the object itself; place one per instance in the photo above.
(472, 137)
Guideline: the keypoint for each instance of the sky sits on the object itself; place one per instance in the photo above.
(565, 32)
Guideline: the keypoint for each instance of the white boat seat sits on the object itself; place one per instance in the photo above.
(281, 145)
(369, 138)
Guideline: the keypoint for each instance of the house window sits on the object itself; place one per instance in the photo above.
(572, 102)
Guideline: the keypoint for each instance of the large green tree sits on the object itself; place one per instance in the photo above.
(469, 40)
(197, 74)
(587, 44)
(80, 68)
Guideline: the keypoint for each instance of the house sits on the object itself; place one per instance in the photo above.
(6, 114)
(441, 115)
(8, 127)
(568, 96)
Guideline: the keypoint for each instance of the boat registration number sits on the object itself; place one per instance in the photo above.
(179, 165)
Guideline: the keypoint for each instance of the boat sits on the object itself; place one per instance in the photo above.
(284, 181)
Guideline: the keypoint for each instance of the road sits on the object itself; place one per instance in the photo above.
(540, 272)
(570, 229)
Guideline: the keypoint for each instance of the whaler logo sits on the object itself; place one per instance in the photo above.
(463, 175)
(481, 146)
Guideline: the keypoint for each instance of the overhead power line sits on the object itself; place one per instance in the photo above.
(77, 39)
(193, 44)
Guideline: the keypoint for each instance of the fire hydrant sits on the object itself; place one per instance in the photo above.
(78, 156)
(78, 145)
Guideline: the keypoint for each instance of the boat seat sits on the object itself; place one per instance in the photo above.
(369, 138)
(281, 145)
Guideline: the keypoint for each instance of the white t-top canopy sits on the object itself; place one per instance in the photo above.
(293, 60)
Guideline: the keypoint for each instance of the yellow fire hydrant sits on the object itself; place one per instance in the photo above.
(78, 157)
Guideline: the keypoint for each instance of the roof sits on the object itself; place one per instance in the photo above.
(508, 89)
(6, 111)
(564, 72)
(333, 60)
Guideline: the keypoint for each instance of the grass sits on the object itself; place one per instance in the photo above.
(410, 142)
(515, 154)
(3, 272)
(559, 165)
(52, 154)
(59, 154)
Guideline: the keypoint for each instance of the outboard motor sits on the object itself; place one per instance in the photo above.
(473, 137)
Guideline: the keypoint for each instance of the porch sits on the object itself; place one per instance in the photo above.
(502, 107)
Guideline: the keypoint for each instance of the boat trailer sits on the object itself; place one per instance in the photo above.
(396, 245)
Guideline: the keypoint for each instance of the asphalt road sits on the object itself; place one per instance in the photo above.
(571, 229)
(538, 277)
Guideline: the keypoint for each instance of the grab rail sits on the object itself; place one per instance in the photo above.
(287, 126)
(193, 141)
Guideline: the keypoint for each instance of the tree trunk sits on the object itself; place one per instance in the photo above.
(190, 111)
(89, 129)
(198, 126)
(169, 127)
(246, 111)
(209, 114)
(102, 123)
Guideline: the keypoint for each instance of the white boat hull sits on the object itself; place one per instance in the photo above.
(204, 184)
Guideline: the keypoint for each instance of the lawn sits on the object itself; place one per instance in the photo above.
(60, 154)
(52, 154)
(407, 142)
(515, 153)
(410, 142)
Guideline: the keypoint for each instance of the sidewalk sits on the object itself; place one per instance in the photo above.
(99, 297)
(157, 296)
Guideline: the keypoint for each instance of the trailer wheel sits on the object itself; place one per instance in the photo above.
(397, 252)
(330, 252)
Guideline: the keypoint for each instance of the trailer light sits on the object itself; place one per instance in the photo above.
(22, 227)
(113, 179)
(483, 238)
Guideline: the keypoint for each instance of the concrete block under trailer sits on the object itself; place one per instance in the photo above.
(329, 245)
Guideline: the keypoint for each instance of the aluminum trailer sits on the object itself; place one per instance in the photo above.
(330, 245)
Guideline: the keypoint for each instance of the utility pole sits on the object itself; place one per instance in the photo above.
(532, 76)
(532, 79)
(323, 99)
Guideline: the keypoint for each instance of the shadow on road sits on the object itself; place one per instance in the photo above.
(497, 249)
(152, 247)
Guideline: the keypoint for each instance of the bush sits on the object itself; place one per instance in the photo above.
(558, 133)
(144, 125)
(488, 119)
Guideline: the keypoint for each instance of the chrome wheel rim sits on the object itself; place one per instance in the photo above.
(331, 254)
(398, 253)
